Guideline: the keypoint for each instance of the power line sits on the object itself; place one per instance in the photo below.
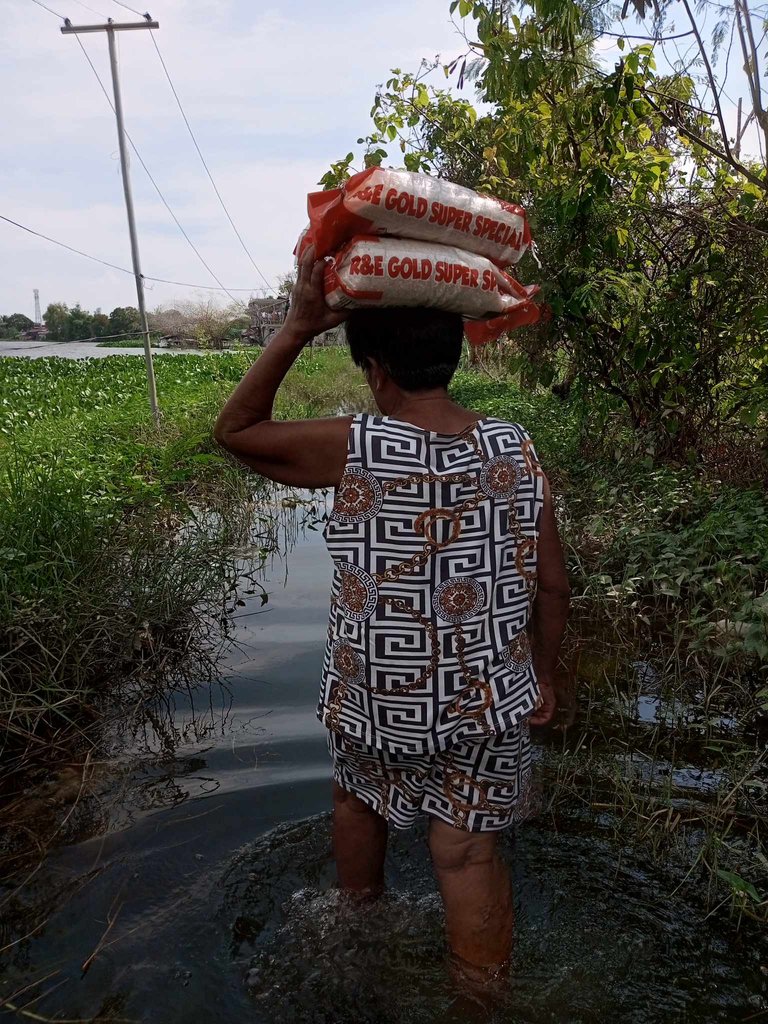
(123, 270)
(651, 39)
(149, 175)
(64, 245)
(91, 9)
(141, 161)
(131, 9)
(59, 16)
(204, 163)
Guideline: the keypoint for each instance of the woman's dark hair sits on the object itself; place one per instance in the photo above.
(419, 348)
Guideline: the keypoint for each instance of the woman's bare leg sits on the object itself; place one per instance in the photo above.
(359, 843)
(477, 895)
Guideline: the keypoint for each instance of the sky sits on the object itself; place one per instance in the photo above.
(274, 93)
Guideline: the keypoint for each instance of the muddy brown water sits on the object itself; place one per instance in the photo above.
(198, 884)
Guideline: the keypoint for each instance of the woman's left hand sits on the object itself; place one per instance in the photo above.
(309, 315)
(545, 709)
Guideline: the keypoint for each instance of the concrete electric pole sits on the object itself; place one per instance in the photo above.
(110, 28)
(38, 317)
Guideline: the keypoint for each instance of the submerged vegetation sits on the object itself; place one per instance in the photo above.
(121, 546)
(124, 549)
(665, 669)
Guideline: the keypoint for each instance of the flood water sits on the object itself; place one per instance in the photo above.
(79, 350)
(198, 884)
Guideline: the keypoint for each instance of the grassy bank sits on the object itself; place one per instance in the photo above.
(665, 667)
(118, 541)
(118, 547)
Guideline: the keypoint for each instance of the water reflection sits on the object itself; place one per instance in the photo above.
(594, 940)
(196, 883)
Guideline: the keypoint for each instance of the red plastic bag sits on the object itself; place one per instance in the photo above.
(375, 271)
(381, 201)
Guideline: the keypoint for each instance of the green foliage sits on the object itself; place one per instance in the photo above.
(80, 323)
(124, 320)
(75, 324)
(654, 541)
(117, 539)
(652, 235)
(100, 324)
(14, 325)
(56, 319)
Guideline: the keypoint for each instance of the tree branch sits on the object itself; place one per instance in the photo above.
(729, 158)
(712, 82)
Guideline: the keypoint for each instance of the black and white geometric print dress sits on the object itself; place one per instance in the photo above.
(433, 539)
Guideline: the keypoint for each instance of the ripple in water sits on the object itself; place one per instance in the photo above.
(598, 940)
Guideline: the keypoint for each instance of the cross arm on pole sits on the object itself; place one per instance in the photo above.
(73, 30)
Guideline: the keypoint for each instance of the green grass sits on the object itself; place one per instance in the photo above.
(116, 538)
(121, 343)
(669, 569)
(116, 560)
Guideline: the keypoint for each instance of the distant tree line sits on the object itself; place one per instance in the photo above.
(75, 323)
(196, 322)
(65, 324)
(14, 325)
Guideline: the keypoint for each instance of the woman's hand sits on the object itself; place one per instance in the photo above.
(309, 314)
(547, 705)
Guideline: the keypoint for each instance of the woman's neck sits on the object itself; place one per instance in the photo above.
(431, 410)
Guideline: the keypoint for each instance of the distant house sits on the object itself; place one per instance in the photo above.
(37, 333)
(267, 317)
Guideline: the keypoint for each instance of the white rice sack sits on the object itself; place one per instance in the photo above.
(379, 271)
(381, 201)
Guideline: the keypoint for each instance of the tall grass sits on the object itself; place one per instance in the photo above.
(118, 541)
(669, 570)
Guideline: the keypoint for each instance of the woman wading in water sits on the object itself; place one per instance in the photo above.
(448, 604)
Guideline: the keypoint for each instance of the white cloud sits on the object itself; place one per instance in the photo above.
(274, 94)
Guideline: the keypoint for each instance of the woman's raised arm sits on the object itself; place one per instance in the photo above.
(303, 453)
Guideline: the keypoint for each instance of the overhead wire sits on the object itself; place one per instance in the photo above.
(151, 178)
(92, 10)
(131, 9)
(204, 162)
(651, 39)
(114, 266)
(50, 11)
(221, 286)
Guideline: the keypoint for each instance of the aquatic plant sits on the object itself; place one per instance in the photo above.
(120, 544)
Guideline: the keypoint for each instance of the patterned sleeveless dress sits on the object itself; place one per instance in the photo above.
(428, 675)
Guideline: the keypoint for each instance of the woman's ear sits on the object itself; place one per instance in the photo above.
(375, 373)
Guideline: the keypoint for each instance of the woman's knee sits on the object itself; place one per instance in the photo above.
(453, 850)
(350, 802)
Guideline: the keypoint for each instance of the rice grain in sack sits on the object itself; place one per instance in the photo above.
(381, 201)
(378, 271)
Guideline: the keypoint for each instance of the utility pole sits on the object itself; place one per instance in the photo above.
(38, 318)
(110, 28)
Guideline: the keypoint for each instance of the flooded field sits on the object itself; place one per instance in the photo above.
(78, 350)
(194, 878)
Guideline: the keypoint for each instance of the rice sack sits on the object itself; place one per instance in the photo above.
(380, 201)
(378, 271)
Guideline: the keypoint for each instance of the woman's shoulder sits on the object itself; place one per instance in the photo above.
(494, 425)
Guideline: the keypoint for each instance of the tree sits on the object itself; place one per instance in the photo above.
(100, 324)
(209, 325)
(124, 320)
(652, 228)
(14, 325)
(286, 283)
(80, 324)
(56, 319)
